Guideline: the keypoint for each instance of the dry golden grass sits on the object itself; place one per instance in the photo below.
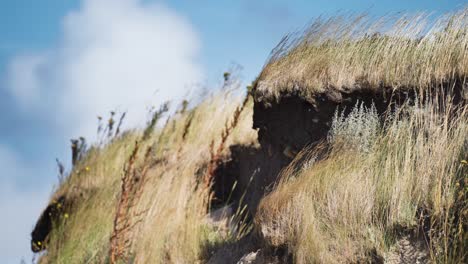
(348, 53)
(331, 211)
(172, 227)
(338, 209)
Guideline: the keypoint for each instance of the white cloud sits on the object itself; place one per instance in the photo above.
(24, 78)
(19, 209)
(113, 54)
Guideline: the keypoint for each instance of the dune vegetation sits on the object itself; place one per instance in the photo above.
(405, 179)
(350, 53)
(163, 217)
(386, 182)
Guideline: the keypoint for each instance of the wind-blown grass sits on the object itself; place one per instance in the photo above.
(351, 199)
(171, 224)
(343, 207)
(348, 53)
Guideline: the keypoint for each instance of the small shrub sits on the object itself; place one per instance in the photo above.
(358, 130)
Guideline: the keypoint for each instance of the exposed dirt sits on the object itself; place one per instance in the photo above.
(412, 245)
(250, 250)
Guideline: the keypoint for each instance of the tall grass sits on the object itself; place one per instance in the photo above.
(349, 52)
(177, 199)
(173, 202)
(354, 202)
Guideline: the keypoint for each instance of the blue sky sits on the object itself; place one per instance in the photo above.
(54, 50)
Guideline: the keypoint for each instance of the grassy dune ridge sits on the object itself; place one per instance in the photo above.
(389, 187)
(353, 53)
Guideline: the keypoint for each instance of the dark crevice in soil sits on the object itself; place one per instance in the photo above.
(252, 170)
(54, 215)
(51, 215)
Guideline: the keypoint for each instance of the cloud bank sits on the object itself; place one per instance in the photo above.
(114, 54)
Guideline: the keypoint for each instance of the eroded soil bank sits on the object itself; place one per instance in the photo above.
(291, 122)
(287, 124)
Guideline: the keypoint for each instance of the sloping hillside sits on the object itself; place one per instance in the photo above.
(350, 147)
